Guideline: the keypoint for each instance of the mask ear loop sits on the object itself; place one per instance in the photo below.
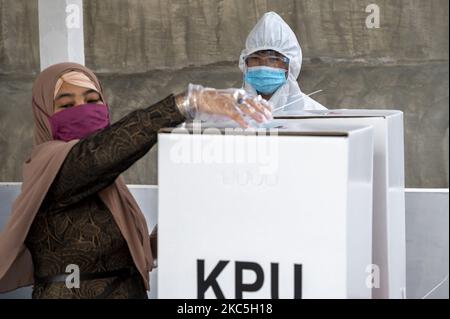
(288, 67)
(244, 71)
(287, 83)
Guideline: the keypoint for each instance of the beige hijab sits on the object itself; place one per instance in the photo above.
(39, 171)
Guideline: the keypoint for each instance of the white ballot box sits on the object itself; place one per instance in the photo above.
(279, 213)
(389, 239)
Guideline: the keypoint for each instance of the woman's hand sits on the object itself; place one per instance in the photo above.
(233, 104)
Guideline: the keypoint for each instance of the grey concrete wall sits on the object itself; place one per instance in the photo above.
(144, 50)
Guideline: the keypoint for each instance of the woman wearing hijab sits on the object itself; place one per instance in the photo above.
(271, 63)
(75, 209)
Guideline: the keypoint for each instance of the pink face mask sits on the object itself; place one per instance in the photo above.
(79, 121)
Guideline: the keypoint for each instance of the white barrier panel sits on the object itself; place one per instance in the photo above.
(147, 198)
(245, 216)
(426, 237)
(389, 248)
(427, 226)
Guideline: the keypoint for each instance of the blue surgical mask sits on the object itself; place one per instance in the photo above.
(265, 79)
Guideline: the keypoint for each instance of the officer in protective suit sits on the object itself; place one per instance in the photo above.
(271, 63)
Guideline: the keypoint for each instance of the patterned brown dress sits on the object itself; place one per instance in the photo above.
(73, 225)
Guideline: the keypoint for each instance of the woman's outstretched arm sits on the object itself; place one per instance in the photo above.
(97, 160)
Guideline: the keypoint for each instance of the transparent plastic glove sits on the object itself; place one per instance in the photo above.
(235, 104)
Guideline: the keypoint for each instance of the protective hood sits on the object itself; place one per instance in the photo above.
(272, 33)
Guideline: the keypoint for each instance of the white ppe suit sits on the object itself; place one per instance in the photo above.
(272, 33)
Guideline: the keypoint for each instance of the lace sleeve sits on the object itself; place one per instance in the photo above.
(96, 161)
